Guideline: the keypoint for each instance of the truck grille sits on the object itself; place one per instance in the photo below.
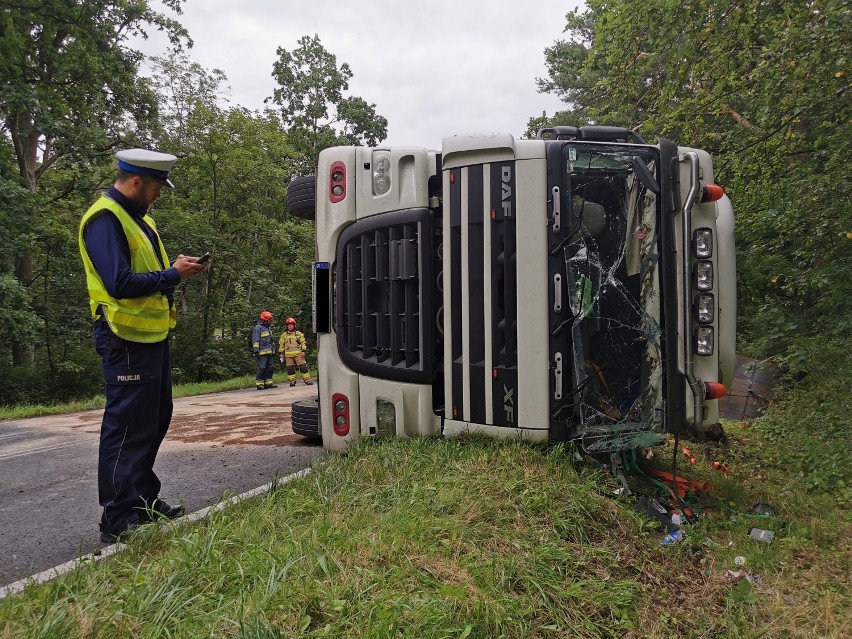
(379, 273)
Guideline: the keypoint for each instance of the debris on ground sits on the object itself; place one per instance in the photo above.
(762, 508)
(673, 537)
(759, 534)
(656, 511)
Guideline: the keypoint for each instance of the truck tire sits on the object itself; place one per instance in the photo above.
(302, 197)
(305, 418)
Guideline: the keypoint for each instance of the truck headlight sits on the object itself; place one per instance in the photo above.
(703, 275)
(703, 340)
(381, 174)
(702, 243)
(705, 308)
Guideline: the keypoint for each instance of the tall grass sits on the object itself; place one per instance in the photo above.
(415, 538)
(451, 538)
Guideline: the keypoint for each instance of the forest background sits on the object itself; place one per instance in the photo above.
(763, 85)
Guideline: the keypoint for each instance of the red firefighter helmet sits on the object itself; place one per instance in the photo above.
(290, 320)
(265, 316)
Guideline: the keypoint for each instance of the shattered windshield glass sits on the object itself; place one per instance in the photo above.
(610, 264)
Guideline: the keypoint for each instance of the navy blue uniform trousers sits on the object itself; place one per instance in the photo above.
(136, 417)
(265, 369)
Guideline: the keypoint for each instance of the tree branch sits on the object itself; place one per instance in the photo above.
(739, 119)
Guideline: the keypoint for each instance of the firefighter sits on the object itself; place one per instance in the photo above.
(131, 298)
(293, 347)
(263, 346)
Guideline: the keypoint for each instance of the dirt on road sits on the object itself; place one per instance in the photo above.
(199, 420)
(217, 444)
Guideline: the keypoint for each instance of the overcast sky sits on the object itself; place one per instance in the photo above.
(432, 68)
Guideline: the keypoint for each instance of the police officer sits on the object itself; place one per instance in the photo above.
(292, 348)
(263, 347)
(131, 297)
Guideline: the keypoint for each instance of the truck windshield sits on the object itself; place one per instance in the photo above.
(610, 261)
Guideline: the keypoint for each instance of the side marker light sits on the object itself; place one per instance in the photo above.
(714, 390)
(711, 193)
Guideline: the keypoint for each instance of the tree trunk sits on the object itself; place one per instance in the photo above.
(23, 354)
(25, 140)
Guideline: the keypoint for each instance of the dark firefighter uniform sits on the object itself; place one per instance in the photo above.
(130, 286)
(263, 347)
(292, 348)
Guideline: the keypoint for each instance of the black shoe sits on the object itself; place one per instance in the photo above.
(292, 383)
(160, 510)
(120, 536)
(271, 386)
(260, 387)
(309, 383)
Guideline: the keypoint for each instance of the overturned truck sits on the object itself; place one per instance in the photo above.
(580, 286)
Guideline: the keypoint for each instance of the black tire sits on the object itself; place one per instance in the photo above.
(302, 197)
(305, 418)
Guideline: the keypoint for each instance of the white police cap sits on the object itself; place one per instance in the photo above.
(144, 162)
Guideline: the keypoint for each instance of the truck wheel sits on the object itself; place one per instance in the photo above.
(302, 197)
(305, 418)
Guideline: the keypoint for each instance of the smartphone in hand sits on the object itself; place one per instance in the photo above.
(203, 258)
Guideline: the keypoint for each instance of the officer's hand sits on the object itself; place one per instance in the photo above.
(187, 267)
(281, 359)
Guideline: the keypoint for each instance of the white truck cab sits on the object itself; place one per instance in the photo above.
(578, 286)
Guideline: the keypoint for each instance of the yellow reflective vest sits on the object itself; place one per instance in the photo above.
(137, 319)
(292, 343)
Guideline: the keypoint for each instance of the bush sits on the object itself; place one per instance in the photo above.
(808, 431)
(216, 360)
(78, 377)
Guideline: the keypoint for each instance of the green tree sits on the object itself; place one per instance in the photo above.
(310, 97)
(240, 166)
(15, 317)
(231, 188)
(181, 86)
(763, 85)
(229, 199)
(70, 90)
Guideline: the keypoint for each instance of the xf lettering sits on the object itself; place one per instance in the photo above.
(509, 403)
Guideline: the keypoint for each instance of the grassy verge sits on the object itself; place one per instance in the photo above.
(466, 538)
(22, 411)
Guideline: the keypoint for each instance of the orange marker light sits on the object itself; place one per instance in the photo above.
(711, 193)
(714, 390)
(452, 177)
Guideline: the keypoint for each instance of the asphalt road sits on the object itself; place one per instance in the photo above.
(218, 444)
